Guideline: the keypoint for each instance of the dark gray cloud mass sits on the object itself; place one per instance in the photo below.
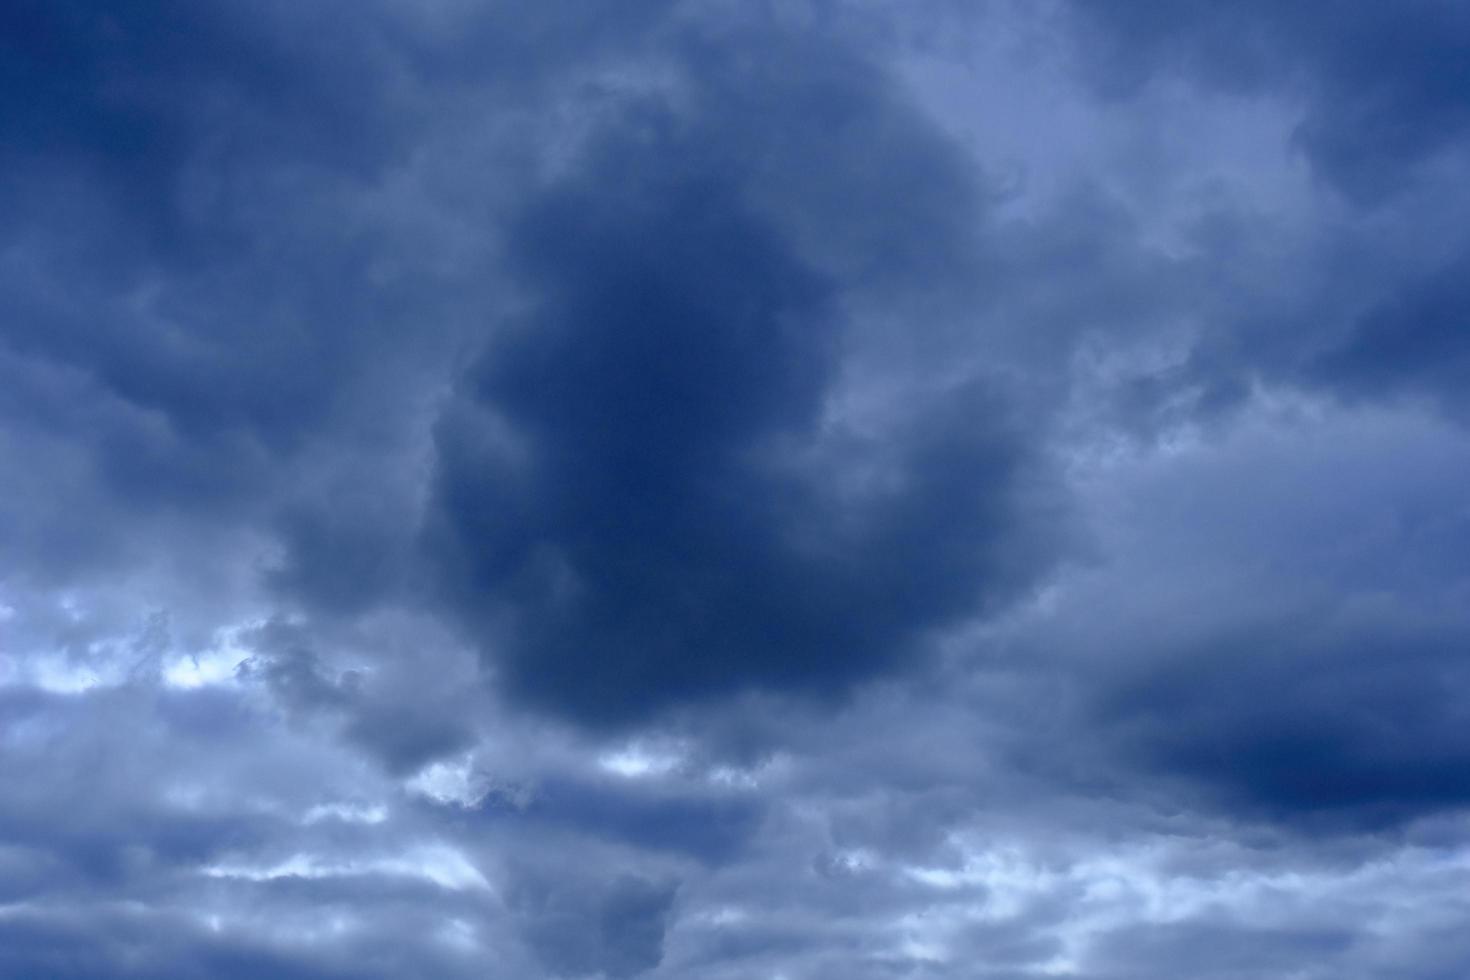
(797, 489)
(643, 491)
(1384, 88)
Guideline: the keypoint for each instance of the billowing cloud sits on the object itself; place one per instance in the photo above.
(649, 487)
(706, 490)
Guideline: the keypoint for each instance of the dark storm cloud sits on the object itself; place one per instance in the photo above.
(128, 94)
(156, 146)
(616, 931)
(1297, 653)
(639, 497)
(1363, 729)
(403, 721)
(228, 280)
(385, 385)
(1414, 346)
(1385, 87)
(187, 301)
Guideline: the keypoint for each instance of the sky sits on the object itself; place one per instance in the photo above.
(713, 489)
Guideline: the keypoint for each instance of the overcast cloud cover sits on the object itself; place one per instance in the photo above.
(787, 489)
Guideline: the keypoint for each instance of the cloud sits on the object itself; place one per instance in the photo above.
(617, 933)
(707, 490)
(1298, 656)
(1383, 90)
(644, 491)
(1413, 345)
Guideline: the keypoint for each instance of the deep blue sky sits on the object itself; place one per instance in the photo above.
(787, 489)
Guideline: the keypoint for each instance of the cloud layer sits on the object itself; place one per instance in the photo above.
(706, 490)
